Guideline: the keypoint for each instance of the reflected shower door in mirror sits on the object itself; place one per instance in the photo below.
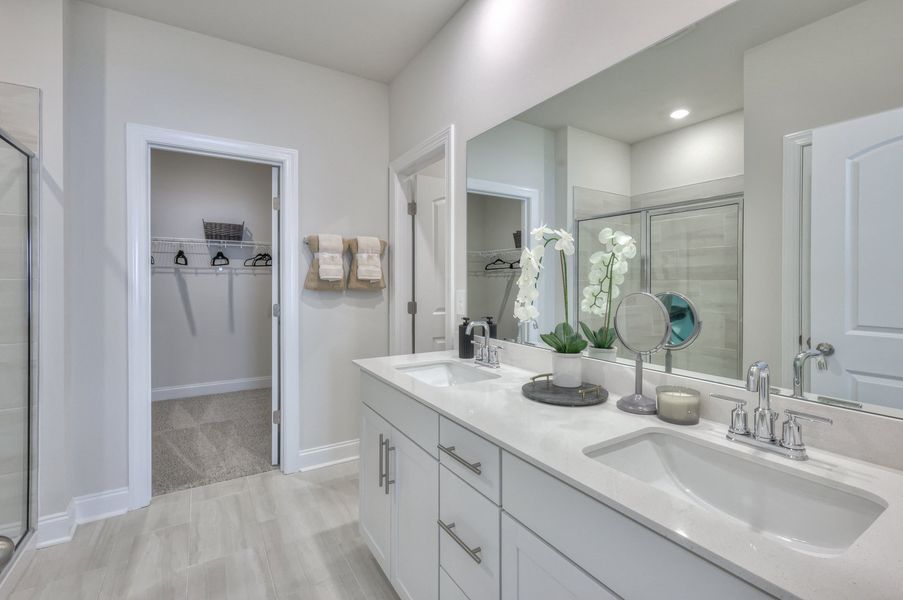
(755, 158)
(692, 248)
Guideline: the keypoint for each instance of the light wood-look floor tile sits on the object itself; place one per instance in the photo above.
(266, 536)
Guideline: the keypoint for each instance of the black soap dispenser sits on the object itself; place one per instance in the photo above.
(493, 328)
(465, 340)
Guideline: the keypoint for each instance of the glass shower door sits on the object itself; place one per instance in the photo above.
(14, 346)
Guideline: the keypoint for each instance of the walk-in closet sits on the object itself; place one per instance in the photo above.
(212, 325)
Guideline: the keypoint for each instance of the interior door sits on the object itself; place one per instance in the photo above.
(276, 346)
(430, 295)
(856, 282)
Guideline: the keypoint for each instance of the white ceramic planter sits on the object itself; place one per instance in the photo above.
(610, 354)
(567, 369)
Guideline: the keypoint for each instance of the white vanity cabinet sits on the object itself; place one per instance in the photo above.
(533, 570)
(399, 491)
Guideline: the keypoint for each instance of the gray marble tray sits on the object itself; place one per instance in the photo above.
(541, 389)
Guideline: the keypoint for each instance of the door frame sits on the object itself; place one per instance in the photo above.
(140, 140)
(439, 145)
(792, 226)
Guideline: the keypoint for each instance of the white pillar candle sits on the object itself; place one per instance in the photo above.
(678, 405)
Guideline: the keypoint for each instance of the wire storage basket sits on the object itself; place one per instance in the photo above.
(232, 232)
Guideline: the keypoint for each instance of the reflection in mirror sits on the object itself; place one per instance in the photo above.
(685, 324)
(769, 200)
(643, 326)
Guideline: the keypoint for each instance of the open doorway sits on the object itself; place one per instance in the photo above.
(214, 336)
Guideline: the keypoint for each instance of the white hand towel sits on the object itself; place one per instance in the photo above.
(368, 265)
(329, 254)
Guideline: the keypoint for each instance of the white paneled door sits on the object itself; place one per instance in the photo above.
(857, 265)
(429, 263)
(275, 339)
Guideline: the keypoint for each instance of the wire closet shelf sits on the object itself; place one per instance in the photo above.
(198, 254)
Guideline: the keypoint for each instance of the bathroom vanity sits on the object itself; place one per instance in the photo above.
(470, 491)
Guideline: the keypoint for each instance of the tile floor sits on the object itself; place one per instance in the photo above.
(260, 537)
(201, 440)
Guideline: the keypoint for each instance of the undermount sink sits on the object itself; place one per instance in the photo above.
(446, 373)
(804, 512)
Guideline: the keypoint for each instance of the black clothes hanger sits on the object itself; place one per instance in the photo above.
(264, 258)
(219, 260)
(500, 265)
(250, 262)
(181, 259)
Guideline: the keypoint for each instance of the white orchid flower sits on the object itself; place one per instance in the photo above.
(565, 242)
(539, 234)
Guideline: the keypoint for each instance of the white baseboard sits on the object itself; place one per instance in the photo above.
(60, 527)
(324, 456)
(210, 387)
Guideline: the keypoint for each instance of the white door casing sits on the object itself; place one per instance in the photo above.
(430, 279)
(140, 140)
(857, 275)
(275, 335)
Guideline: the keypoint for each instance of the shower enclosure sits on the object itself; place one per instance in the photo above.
(17, 439)
(694, 248)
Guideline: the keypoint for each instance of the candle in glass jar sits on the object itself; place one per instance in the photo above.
(678, 405)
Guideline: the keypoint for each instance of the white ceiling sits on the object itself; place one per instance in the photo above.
(701, 69)
(371, 38)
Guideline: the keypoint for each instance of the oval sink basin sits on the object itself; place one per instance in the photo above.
(446, 373)
(804, 512)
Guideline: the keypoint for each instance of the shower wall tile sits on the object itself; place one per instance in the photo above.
(14, 375)
(13, 300)
(12, 440)
(13, 246)
(12, 504)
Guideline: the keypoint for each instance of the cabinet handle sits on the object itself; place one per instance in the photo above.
(473, 553)
(450, 450)
(385, 456)
(382, 474)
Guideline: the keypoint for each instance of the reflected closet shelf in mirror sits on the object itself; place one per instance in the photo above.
(494, 263)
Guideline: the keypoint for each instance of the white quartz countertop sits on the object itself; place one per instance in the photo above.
(553, 439)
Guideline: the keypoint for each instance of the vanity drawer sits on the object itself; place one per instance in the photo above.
(476, 525)
(448, 589)
(471, 458)
(614, 549)
(404, 413)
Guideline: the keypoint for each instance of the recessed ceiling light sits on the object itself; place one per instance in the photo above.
(680, 113)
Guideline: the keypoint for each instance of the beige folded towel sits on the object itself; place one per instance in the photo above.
(368, 265)
(330, 257)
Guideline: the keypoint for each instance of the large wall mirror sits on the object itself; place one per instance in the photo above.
(756, 158)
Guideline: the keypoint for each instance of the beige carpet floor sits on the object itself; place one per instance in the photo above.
(202, 440)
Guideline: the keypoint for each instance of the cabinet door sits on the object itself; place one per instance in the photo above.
(533, 570)
(415, 511)
(375, 501)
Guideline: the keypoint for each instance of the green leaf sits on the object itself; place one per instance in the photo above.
(589, 334)
(563, 331)
(552, 340)
(575, 345)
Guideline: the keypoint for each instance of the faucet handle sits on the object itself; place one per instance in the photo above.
(792, 436)
(739, 418)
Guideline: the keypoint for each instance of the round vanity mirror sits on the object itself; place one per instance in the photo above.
(644, 326)
(684, 318)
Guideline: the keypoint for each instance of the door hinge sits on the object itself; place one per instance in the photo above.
(412, 308)
(277, 203)
(412, 208)
(276, 310)
(277, 417)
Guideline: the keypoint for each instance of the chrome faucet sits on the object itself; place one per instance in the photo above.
(799, 363)
(762, 433)
(757, 380)
(485, 354)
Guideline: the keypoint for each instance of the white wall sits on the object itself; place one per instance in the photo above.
(207, 326)
(698, 153)
(496, 58)
(841, 67)
(125, 69)
(594, 162)
(32, 47)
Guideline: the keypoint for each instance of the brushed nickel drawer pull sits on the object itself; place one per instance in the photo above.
(382, 462)
(388, 449)
(450, 450)
(473, 553)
